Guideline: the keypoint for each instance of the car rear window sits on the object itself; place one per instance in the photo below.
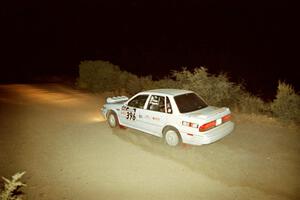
(189, 102)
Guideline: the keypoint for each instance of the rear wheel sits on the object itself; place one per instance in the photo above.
(112, 120)
(172, 137)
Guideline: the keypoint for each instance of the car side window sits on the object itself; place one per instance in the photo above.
(156, 103)
(138, 101)
(168, 106)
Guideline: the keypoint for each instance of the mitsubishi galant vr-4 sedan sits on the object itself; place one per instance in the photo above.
(178, 116)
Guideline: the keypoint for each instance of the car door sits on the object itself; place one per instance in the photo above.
(154, 117)
(130, 112)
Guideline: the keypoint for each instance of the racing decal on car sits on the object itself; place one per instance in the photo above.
(152, 118)
(156, 118)
(130, 115)
(124, 110)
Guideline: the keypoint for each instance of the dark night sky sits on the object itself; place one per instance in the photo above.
(252, 41)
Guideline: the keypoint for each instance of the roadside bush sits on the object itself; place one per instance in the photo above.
(286, 105)
(136, 84)
(99, 76)
(12, 188)
(252, 104)
(162, 83)
(215, 89)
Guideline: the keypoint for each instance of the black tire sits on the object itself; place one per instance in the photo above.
(172, 137)
(112, 120)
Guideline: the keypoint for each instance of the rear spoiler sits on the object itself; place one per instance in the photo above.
(116, 99)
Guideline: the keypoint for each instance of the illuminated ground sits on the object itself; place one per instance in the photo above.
(56, 135)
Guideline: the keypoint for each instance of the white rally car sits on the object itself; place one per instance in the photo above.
(173, 114)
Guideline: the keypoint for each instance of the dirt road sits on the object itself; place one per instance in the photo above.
(57, 136)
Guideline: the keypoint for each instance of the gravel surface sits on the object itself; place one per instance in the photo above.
(56, 134)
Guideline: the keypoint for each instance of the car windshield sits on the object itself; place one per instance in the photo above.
(189, 102)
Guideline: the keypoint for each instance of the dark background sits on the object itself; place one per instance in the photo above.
(254, 42)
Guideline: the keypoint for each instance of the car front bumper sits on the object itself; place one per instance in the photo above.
(210, 136)
(103, 112)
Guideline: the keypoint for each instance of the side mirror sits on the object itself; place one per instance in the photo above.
(169, 110)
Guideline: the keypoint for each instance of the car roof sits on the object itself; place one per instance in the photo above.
(167, 91)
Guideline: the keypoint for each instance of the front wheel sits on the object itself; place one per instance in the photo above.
(112, 120)
(172, 137)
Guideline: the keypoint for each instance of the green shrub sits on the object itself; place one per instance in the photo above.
(149, 84)
(167, 83)
(134, 84)
(252, 104)
(11, 188)
(99, 76)
(215, 89)
(286, 105)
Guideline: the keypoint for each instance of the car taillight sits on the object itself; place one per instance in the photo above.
(207, 126)
(226, 118)
(189, 124)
